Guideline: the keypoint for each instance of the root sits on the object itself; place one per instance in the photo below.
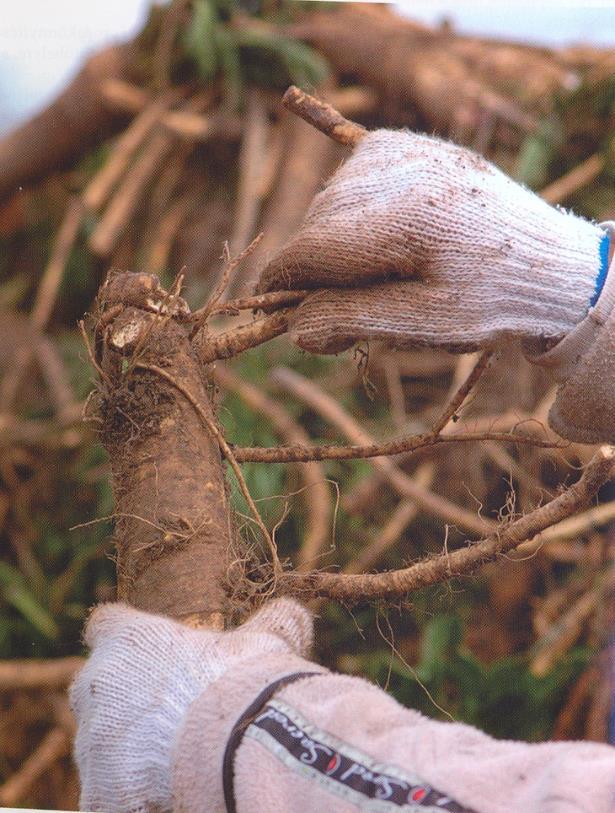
(228, 454)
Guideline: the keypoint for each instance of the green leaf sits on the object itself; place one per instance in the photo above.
(536, 153)
(305, 66)
(228, 50)
(275, 61)
(441, 638)
(15, 592)
(200, 39)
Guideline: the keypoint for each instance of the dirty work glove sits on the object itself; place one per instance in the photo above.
(158, 705)
(420, 242)
(583, 363)
(432, 245)
(143, 673)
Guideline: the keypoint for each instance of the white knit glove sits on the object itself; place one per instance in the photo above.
(481, 258)
(143, 673)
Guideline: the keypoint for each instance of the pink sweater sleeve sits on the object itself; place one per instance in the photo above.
(336, 744)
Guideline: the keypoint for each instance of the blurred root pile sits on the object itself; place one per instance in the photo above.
(157, 154)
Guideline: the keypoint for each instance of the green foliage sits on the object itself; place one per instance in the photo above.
(247, 428)
(241, 56)
(44, 619)
(275, 61)
(591, 102)
(579, 126)
(503, 698)
(516, 704)
(200, 39)
(537, 152)
(41, 614)
(16, 592)
(43, 604)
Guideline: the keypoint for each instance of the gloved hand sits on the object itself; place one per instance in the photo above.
(420, 242)
(157, 705)
(480, 256)
(143, 673)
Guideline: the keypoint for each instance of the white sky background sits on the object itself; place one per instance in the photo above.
(551, 22)
(43, 42)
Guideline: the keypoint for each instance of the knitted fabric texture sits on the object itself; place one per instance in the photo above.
(156, 703)
(471, 769)
(143, 673)
(584, 364)
(421, 242)
(198, 757)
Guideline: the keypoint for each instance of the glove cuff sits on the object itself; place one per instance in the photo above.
(583, 363)
(551, 279)
(198, 770)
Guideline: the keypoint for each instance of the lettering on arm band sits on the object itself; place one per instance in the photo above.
(341, 769)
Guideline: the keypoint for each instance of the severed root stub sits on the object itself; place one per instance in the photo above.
(173, 528)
